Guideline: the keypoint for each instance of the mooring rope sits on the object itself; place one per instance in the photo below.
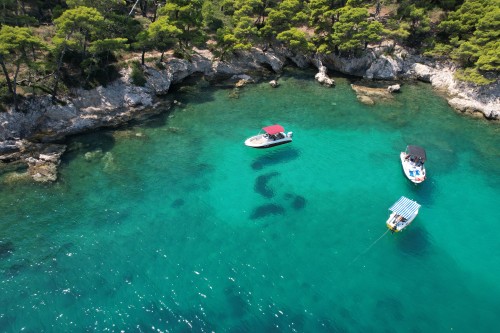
(369, 247)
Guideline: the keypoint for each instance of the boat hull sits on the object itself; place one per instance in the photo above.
(260, 141)
(412, 171)
(395, 225)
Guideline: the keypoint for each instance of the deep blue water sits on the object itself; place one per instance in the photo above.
(173, 225)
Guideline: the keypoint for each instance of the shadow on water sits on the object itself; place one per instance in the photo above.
(424, 193)
(159, 120)
(194, 90)
(414, 241)
(275, 157)
(261, 184)
(267, 210)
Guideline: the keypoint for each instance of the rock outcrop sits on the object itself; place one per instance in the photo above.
(462, 97)
(389, 62)
(25, 134)
(322, 77)
(394, 88)
(370, 95)
(42, 159)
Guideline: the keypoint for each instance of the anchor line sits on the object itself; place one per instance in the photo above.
(369, 247)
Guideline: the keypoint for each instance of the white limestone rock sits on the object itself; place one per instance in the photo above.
(394, 88)
(323, 78)
(274, 83)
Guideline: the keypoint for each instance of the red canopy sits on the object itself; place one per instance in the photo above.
(273, 129)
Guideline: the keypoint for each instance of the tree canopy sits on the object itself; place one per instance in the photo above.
(72, 42)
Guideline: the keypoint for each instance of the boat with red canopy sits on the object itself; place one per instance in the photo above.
(273, 135)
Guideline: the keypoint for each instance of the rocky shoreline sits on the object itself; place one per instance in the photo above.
(31, 138)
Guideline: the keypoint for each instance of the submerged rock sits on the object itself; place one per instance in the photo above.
(366, 100)
(369, 95)
(91, 156)
(43, 168)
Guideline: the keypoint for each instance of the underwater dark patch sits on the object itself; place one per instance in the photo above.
(6, 249)
(16, 268)
(266, 210)
(275, 157)
(261, 186)
(237, 304)
(177, 203)
(390, 307)
(6, 322)
(299, 202)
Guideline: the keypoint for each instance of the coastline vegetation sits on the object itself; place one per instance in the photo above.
(48, 46)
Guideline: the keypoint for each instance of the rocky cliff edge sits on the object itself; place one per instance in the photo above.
(30, 137)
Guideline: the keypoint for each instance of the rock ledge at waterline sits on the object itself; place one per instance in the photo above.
(27, 137)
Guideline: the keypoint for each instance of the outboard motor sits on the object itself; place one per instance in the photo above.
(289, 134)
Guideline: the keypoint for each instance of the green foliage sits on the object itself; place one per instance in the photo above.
(213, 16)
(397, 31)
(75, 28)
(322, 15)
(286, 15)
(103, 6)
(439, 50)
(296, 40)
(107, 45)
(185, 15)
(462, 23)
(353, 31)
(163, 34)
(489, 57)
(120, 26)
(18, 47)
(474, 32)
(87, 35)
(419, 22)
(473, 75)
(137, 74)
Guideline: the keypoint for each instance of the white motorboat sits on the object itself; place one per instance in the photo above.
(272, 136)
(403, 213)
(413, 160)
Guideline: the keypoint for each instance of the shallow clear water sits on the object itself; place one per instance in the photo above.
(174, 225)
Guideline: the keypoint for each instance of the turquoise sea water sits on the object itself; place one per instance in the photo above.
(173, 225)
